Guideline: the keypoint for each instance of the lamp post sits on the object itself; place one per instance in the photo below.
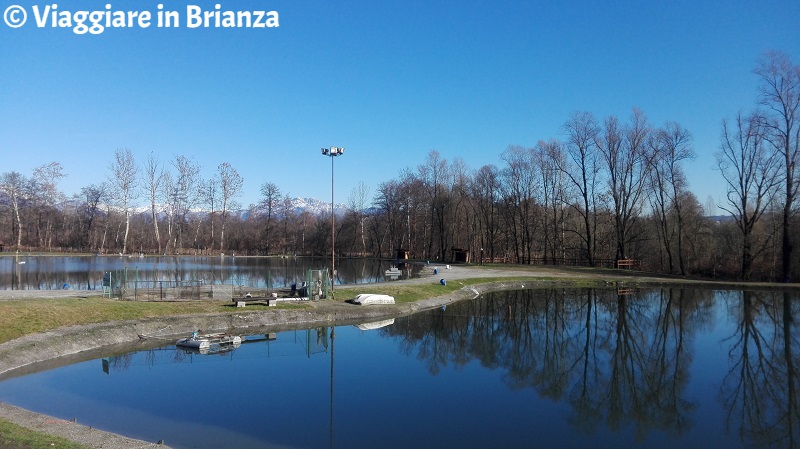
(333, 152)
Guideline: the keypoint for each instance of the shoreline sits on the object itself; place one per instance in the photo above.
(71, 344)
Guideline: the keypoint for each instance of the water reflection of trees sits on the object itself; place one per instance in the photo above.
(617, 360)
(760, 389)
(84, 272)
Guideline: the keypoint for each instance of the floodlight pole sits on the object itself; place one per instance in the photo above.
(332, 152)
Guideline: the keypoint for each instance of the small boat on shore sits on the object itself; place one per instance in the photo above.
(206, 341)
(371, 298)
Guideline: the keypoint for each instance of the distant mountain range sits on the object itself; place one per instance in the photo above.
(315, 206)
(300, 205)
(310, 205)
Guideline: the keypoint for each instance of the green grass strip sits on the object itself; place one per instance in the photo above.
(13, 436)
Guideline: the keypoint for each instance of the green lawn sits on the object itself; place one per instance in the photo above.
(30, 316)
(13, 436)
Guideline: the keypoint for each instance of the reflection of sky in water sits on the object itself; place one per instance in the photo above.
(85, 273)
(659, 369)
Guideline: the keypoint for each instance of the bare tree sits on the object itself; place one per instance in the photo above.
(780, 96)
(230, 185)
(92, 195)
(14, 185)
(293, 226)
(167, 189)
(485, 192)
(183, 194)
(389, 200)
(460, 223)
(671, 145)
(414, 204)
(551, 155)
(627, 162)
(519, 193)
(357, 201)
(45, 195)
(210, 197)
(270, 200)
(581, 169)
(154, 179)
(123, 180)
(434, 175)
(751, 175)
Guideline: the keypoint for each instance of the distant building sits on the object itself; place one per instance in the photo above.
(461, 255)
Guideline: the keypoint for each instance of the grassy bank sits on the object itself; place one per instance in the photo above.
(13, 436)
(30, 316)
(405, 293)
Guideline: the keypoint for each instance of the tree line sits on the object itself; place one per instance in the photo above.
(609, 190)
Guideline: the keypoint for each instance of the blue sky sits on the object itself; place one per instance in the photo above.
(388, 80)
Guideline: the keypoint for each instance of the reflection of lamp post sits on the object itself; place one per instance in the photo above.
(330, 436)
(333, 151)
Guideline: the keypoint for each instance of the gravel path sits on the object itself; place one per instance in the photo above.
(6, 295)
(71, 430)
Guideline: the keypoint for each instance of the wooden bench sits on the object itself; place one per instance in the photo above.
(627, 263)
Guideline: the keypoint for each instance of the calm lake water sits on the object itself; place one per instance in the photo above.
(86, 272)
(533, 368)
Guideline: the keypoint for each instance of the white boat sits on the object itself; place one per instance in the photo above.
(372, 298)
(206, 341)
(375, 324)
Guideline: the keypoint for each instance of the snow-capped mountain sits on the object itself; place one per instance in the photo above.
(299, 205)
(315, 206)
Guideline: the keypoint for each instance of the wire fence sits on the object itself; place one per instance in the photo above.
(127, 285)
(172, 290)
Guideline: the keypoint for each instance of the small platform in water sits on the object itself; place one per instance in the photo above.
(206, 341)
